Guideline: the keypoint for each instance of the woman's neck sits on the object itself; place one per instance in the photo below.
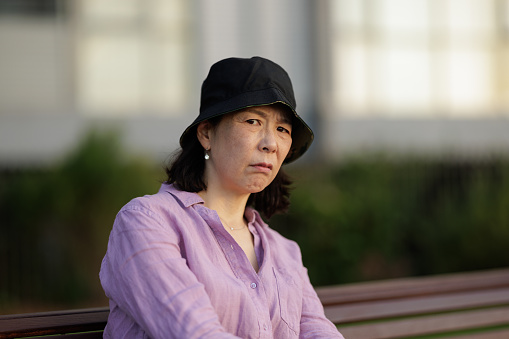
(230, 207)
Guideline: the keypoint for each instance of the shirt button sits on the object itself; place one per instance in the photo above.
(265, 327)
(231, 246)
(253, 285)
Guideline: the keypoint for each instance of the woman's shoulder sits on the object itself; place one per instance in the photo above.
(164, 211)
(276, 240)
(285, 253)
(289, 246)
(168, 197)
(167, 204)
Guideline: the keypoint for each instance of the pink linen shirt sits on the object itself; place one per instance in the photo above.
(172, 271)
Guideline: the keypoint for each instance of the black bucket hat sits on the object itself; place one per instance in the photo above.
(236, 83)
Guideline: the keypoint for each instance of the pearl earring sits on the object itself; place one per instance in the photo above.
(207, 156)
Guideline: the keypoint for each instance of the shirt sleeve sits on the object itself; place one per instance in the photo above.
(145, 274)
(313, 323)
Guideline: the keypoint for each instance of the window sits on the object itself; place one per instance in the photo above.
(420, 58)
(132, 57)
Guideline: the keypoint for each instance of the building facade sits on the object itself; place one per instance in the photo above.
(418, 76)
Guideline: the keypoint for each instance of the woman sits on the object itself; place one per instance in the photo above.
(196, 259)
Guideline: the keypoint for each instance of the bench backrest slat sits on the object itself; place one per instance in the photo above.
(416, 305)
(414, 286)
(489, 334)
(429, 325)
(46, 323)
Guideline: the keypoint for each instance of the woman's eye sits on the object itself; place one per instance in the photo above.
(284, 130)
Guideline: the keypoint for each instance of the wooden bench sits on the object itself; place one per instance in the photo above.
(462, 305)
(77, 324)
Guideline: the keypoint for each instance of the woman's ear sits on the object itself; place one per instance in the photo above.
(203, 133)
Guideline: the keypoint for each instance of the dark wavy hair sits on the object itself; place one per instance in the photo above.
(187, 166)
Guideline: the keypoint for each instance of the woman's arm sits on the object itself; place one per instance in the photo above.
(144, 273)
(313, 323)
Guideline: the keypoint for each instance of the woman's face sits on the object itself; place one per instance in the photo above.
(246, 148)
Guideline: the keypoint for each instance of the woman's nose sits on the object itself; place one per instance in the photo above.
(268, 142)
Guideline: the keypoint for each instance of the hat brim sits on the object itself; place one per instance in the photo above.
(302, 135)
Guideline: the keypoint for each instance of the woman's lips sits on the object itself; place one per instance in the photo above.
(263, 167)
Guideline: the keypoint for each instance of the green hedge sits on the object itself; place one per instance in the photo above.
(56, 222)
(374, 218)
(362, 219)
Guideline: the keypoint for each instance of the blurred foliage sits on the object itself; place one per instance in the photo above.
(377, 218)
(55, 222)
(362, 219)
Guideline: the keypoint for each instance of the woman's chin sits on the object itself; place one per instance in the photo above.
(257, 188)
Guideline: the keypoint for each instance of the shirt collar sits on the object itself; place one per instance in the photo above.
(185, 198)
(254, 217)
(190, 198)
